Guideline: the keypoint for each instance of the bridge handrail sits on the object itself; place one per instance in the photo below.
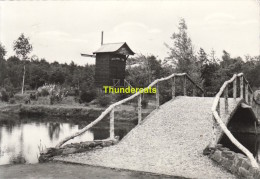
(111, 108)
(216, 112)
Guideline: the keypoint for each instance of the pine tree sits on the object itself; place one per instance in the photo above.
(181, 52)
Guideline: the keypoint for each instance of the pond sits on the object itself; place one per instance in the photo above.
(22, 138)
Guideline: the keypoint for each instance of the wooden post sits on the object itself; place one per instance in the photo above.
(241, 87)
(139, 109)
(184, 85)
(173, 87)
(157, 96)
(112, 124)
(235, 88)
(246, 92)
(226, 99)
(216, 131)
(194, 91)
(251, 98)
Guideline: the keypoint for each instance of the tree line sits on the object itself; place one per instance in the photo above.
(39, 72)
(205, 68)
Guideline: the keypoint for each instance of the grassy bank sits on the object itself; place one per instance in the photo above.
(70, 108)
(122, 113)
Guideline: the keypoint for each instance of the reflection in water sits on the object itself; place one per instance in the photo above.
(54, 129)
(20, 142)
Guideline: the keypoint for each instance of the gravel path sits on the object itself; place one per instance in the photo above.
(168, 142)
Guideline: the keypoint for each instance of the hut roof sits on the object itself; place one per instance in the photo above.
(120, 48)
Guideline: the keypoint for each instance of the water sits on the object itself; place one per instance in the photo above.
(21, 139)
(250, 141)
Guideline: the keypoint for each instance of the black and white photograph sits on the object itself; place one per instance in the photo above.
(125, 89)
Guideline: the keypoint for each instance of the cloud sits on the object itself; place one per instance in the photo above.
(135, 26)
(53, 34)
(154, 31)
(217, 19)
(219, 16)
(56, 35)
(130, 25)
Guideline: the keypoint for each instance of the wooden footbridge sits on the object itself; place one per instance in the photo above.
(172, 138)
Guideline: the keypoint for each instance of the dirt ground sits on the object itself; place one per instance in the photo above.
(70, 171)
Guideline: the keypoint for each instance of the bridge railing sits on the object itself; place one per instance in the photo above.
(111, 109)
(246, 93)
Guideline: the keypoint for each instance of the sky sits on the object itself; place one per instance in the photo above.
(62, 30)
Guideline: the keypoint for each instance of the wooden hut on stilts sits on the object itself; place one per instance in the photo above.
(111, 64)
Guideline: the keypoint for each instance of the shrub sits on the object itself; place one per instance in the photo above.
(4, 95)
(12, 101)
(164, 94)
(122, 96)
(144, 103)
(42, 101)
(104, 100)
(164, 98)
(72, 92)
(21, 98)
(87, 96)
(55, 99)
(44, 92)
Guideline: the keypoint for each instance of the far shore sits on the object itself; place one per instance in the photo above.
(122, 113)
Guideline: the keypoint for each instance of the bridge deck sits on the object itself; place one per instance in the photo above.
(170, 142)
